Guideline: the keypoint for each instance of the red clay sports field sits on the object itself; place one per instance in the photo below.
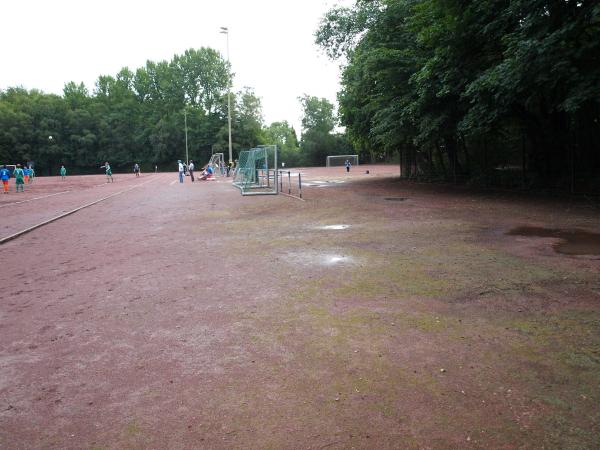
(376, 313)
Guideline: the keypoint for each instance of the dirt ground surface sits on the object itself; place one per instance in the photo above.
(376, 313)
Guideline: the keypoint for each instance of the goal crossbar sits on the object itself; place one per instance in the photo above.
(340, 160)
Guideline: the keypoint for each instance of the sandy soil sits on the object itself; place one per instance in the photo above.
(188, 316)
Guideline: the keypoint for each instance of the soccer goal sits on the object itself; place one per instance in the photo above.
(256, 171)
(217, 162)
(340, 160)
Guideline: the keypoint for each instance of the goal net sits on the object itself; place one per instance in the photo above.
(256, 171)
(217, 162)
(340, 160)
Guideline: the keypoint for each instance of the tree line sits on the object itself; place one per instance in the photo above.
(492, 91)
(138, 117)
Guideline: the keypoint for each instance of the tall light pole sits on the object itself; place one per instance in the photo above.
(187, 159)
(225, 31)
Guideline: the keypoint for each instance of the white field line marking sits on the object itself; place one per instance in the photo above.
(68, 213)
(173, 182)
(32, 199)
(292, 196)
(45, 196)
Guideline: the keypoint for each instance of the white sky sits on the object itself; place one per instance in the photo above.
(47, 43)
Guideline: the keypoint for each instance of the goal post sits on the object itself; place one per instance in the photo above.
(256, 171)
(340, 160)
(217, 162)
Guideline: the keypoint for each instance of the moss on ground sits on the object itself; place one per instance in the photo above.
(337, 325)
(557, 356)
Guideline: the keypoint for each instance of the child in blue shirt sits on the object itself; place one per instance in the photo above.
(4, 176)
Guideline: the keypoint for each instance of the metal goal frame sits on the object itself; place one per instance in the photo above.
(329, 159)
(256, 171)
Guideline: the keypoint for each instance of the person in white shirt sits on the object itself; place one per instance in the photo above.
(191, 170)
(180, 170)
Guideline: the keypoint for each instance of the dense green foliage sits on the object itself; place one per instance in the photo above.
(132, 117)
(139, 117)
(318, 137)
(499, 91)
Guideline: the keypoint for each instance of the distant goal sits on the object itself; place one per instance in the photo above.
(340, 160)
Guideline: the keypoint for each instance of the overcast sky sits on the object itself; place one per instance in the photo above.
(46, 43)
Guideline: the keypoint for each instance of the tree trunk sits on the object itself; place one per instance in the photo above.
(441, 157)
(450, 142)
(401, 162)
(485, 161)
(523, 160)
(467, 158)
(572, 147)
(430, 161)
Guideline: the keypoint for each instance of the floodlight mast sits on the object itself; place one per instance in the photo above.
(225, 31)
(187, 159)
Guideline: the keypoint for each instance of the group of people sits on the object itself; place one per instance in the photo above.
(25, 175)
(108, 171)
(22, 175)
(185, 169)
(188, 169)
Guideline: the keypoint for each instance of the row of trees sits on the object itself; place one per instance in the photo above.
(495, 90)
(139, 117)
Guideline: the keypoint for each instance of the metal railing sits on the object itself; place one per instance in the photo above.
(290, 183)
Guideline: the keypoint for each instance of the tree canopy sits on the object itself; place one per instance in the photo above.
(318, 137)
(138, 116)
(495, 90)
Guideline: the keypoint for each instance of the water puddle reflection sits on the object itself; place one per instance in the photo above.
(334, 227)
(321, 259)
(573, 242)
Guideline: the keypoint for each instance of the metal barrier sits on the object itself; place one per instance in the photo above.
(293, 189)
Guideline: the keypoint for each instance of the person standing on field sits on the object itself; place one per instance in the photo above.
(109, 177)
(63, 172)
(348, 165)
(19, 178)
(4, 176)
(191, 170)
(136, 169)
(181, 172)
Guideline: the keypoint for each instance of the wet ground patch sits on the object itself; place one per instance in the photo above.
(335, 227)
(323, 183)
(572, 242)
(309, 258)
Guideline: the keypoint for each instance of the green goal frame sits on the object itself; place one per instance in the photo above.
(256, 171)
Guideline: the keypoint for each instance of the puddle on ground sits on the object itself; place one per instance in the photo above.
(395, 199)
(320, 259)
(573, 242)
(331, 260)
(319, 183)
(334, 227)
